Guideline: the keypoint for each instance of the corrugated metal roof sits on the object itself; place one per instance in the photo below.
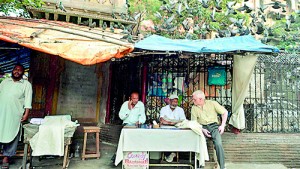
(77, 43)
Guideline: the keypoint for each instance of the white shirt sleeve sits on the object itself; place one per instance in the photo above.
(182, 115)
(142, 118)
(162, 112)
(124, 111)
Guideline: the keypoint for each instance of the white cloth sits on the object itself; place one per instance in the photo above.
(176, 115)
(133, 115)
(159, 140)
(243, 68)
(197, 128)
(49, 140)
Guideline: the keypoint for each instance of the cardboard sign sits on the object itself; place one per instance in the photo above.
(136, 160)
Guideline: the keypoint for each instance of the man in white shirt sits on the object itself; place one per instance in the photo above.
(170, 115)
(15, 104)
(132, 112)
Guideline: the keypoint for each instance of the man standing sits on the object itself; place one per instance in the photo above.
(132, 112)
(170, 115)
(15, 102)
(206, 113)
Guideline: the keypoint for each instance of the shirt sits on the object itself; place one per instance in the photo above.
(176, 114)
(14, 98)
(133, 115)
(208, 113)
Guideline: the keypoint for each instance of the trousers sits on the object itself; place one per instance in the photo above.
(217, 141)
(9, 149)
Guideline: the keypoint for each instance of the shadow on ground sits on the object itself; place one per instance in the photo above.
(104, 162)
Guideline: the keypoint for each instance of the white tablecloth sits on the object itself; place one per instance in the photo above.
(181, 140)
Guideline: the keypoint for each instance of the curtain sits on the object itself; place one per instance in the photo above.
(243, 67)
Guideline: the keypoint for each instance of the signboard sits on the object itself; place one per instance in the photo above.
(136, 160)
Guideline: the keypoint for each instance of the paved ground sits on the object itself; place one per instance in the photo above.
(104, 163)
(254, 166)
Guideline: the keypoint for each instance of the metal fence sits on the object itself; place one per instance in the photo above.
(170, 74)
(182, 75)
(272, 104)
(272, 101)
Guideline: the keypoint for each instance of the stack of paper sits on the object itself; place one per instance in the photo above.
(37, 120)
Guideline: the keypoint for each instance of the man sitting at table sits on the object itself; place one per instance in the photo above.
(205, 112)
(170, 115)
(132, 112)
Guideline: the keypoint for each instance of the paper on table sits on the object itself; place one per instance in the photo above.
(172, 120)
(37, 121)
(167, 127)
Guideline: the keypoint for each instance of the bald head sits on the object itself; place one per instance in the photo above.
(134, 97)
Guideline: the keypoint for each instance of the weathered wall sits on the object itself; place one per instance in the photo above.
(78, 92)
(64, 87)
(105, 6)
(104, 91)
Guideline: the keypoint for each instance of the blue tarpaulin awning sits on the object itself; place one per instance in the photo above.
(10, 54)
(220, 45)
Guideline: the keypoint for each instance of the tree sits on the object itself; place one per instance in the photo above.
(286, 33)
(18, 7)
(273, 23)
(144, 6)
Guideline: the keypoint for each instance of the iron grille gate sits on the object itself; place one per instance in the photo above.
(125, 78)
(182, 75)
(170, 74)
(272, 104)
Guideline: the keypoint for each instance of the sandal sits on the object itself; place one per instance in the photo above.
(5, 166)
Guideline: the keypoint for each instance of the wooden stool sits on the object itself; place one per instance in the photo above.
(86, 130)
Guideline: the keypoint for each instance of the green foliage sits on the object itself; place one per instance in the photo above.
(17, 7)
(190, 19)
(147, 6)
(289, 41)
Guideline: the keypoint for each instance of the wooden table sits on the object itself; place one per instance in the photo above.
(159, 140)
